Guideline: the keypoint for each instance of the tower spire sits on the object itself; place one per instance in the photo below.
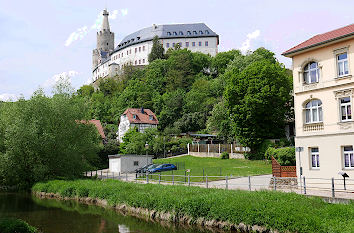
(105, 23)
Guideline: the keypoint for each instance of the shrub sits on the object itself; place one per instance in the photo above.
(224, 155)
(285, 156)
(15, 226)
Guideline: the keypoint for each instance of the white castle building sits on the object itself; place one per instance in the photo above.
(135, 48)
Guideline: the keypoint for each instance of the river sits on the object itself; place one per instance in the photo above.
(54, 216)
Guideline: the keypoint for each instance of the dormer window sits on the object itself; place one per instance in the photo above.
(311, 73)
(189, 33)
(168, 33)
(201, 32)
(180, 33)
(151, 117)
(207, 32)
(175, 33)
(138, 37)
(195, 33)
(134, 116)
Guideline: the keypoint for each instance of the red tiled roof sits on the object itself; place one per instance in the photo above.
(322, 38)
(141, 118)
(98, 125)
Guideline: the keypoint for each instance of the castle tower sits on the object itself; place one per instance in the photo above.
(105, 41)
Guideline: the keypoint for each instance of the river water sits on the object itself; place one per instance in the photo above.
(54, 216)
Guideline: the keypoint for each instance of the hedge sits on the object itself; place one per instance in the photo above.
(285, 156)
(286, 212)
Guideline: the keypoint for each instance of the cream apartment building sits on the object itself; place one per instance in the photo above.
(323, 69)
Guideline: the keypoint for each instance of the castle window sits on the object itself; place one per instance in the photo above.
(130, 51)
(143, 48)
(193, 44)
(313, 112)
(136, 50)
(206, 43)
(139, 61)
(207, 32)
(200, 43)
(144, 60)
(136, 62)
(187, 44)
(189, 33)
(139, 49)
(127, 52)
(173, 45)
(311, 73)
(201, 32)
(168, 33)
(167, 45)
(195, 33)
(175, 33)
(181, 33)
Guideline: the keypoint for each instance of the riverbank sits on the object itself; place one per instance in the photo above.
(239, 210)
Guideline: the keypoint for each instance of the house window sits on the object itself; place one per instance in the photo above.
(118, 55)
(144, 60)
(187, 44)
(167, 45)
(311, 73)
(346, 109)
(193, 44)
(342, 64)
(139, 61)
(313, 112)
(134, 116)
(206, 43)
(136, 50)
(136, 163)
(127, 52)
(136, 62)
(200, 43)
(151, 117)
(348, 157)
(315, 157)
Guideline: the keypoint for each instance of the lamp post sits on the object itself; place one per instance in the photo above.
(300, 149)
(147, 147)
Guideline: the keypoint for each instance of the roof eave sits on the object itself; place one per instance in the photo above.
(318, 45)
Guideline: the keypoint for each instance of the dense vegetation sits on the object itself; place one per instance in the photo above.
(286, 212)
(9, 225)
(244, 98)
(42, 138)
(285, 156)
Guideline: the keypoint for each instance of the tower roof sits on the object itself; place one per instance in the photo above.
(105, 23)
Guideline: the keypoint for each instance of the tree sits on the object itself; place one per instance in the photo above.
(157, 50)
(257, 100)
(44, 139)
(221, 60)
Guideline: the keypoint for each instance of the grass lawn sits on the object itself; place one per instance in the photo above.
(214, 167)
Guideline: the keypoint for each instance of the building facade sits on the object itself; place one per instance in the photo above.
(323, 69)
(141, 119)
(135, 48)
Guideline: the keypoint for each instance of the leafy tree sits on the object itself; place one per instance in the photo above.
(157, 50)
(44, 140)
(221, 60)
(256, 99)
(86, 91)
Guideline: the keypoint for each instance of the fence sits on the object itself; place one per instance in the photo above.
(215, 150)
(342, 188)
(282, 171)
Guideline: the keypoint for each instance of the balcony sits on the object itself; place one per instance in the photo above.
(313, 127)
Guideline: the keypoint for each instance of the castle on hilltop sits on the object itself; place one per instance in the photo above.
(108, 61)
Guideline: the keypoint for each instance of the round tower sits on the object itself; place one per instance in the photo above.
(105, 38)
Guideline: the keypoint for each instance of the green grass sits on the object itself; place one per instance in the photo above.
(215, 167)
(10, 225)
(287, 212)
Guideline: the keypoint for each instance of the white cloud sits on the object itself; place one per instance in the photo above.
(124, 12)
(64, 76)
(247, 43)
(8, 97)
(81, 32)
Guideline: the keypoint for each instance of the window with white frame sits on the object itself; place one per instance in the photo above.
(313, 112)
(315, 157)
(311, 73)
(342, 64)
(348, 156)
(346, 109)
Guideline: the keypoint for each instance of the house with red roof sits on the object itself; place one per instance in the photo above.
(323, 69)
(136, 117)
(98, 125)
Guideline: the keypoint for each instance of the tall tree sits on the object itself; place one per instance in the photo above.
(157, 50)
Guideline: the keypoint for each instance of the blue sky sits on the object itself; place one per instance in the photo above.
(37, 38)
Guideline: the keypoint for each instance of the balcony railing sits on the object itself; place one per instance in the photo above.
(313, 127)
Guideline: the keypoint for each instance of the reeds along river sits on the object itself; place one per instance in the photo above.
(54, 216)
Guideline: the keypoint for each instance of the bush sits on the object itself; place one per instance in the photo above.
(285, 156)
(285, 212)
(224, 155)
(15, 226)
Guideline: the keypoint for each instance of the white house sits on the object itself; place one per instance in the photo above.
(128, 163)
(135, 117)
(135, 48)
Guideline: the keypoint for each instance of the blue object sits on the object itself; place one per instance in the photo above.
(163, 168)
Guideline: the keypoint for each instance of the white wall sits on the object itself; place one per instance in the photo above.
(125, 163)
(124, 126)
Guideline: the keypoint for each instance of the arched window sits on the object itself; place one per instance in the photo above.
(311, 73)
(313, 111)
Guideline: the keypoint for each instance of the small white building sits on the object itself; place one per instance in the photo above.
(135, 117)
(128, 163)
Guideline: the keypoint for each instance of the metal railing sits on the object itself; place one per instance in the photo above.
(343, 188)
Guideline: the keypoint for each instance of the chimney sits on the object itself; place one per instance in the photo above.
(142, 110)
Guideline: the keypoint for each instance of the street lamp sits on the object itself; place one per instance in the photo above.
(300, 149)
(147, 147)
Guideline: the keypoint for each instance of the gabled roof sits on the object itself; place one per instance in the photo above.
(98, 125)
(322, 39)
(140, 117)
(167, 31)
